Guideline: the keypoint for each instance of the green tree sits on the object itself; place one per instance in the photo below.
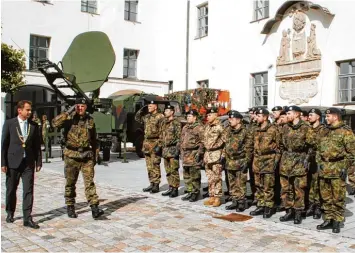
(13, 63)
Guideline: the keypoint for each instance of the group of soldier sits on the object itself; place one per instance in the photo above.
(295, 164)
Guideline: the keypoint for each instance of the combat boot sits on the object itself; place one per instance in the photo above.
(216, 202)
(209, 202)
(71, 211)
(258, 211)
(232, 206)
(288, 216)
(187, 196)
(298, 217)
(96, 211)
(268, 212)
(194, 197)
(317, 212)
(155, 188)
(327, 224)
(352, 191)
(336, 227)
(168, 192)
(242, 205)
(280, 208)
(174, 192)
(310, 210)
(149, 188)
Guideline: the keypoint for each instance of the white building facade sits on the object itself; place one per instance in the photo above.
(265, 53)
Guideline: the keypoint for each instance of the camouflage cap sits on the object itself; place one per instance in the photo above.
(81, 101)
(235, 114)
(169, 107)
(212, 110)
(294, 108)
(277, 108)
(304, 113)
(192, 112)
(316, 111)
(263, 111)
(333, 110)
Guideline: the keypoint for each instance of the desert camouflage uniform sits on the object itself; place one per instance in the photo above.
(294, 147)
(170, 142)
(192, 155)
(79, 155)
(238, 152)
(335, 151)
(152, 131)
(266, 154)
(213, 143)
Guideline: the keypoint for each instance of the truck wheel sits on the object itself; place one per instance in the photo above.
(139, 146)
(106, 154)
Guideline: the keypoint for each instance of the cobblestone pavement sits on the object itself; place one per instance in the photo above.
(140, 222)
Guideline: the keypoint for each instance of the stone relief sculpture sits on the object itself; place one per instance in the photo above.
(299, 36)
(284, 47)
(312, 51)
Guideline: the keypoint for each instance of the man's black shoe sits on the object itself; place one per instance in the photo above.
(336, 227)
(352, 191)
(187, 197)
(268, 212)
(317, 213)
(96, 211)
(194, 197)
(242, 205)
(298, 217)
(174, 192)
(258, 211)
(71, 211)
(288, 216)
(327, 224)
(232, 206)
(10, 218)
(155, 188)
(30, 223)
(167, 193)
(310, 210)
(148, 189)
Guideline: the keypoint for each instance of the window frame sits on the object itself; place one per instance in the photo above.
(86, 6)
(350, 76)
(129, 60)
(201, 29)
(129, 11)
(262, 85)
(265, 10)
(33, 60)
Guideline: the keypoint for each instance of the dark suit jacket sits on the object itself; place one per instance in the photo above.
(11, 145)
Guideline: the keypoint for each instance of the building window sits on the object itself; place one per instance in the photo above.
(202, 84)
(260, 89)
(130, 63)
(130, 10)
(89, 6)
(202, 24)
(39, 47)
(346, 85)
(261, 9)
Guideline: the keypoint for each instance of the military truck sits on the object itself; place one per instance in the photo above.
(84, 68)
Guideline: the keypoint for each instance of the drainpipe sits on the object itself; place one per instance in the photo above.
(187, 45)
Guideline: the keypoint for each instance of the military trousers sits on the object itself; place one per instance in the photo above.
(293, 191)
(152, 161)
(172, 171)
(214, 176)
(192, 178)
(314, 192)
(237, 184)
(351, 176)
(265, 183)
(333, 194)
(71, 172)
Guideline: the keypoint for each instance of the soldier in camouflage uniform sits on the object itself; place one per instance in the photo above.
(152, 151)
(170, 142)
(335, 154)
(294, 165)
(192, 155)
(351, 177)
(283, 119)
(213, 143)
(238, 153)
(251, 128)
(79, 155)
(313, 198)
(266, 157)
(304, 116)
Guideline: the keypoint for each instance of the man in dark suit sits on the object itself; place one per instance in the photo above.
(20, 157)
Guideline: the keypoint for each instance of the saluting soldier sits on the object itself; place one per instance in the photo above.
(192, 151)
(265, 162)
(238, 153)
(213, 144)
(152, 151)
(294, 165)
(335, 154)
(79, 155)
(170, 142)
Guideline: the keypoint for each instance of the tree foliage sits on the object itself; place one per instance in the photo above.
(13, 63)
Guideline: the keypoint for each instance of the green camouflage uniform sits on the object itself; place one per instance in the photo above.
(335, 151)
(251, 128)
(170, 142)
(238, 152)
(266, 154)
(294, 147)
(152, 130)
(192, 154)
(79, 155)
(213, 143)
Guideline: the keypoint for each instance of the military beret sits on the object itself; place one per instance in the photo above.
(253, 109)
(169, 107)
(235, 114)
(316, 111)
(80, 101)
(333, 110)
(276, 108)
(304, 113)
(285, 108)
(192, 112)
(212, 110)
(262, 111)
(152, 102)
(294, 108)
(282, 113)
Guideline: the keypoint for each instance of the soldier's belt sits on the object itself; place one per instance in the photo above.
(332, 160)
(265, 152)
(81, 149)
(189, 149)
(151, 138)
(214, 149)
(170, 145)
(295, 151)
